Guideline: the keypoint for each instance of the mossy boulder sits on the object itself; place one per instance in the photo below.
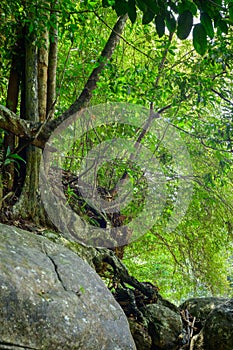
(51, 299)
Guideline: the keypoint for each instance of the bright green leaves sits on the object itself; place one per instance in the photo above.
(12, 158)
(207, 24)
(200, 39)
(185, 23)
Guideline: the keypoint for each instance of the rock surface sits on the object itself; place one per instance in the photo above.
(51, 299)
(141, 336)
(201, 307)
(164, 326)
(217, 332)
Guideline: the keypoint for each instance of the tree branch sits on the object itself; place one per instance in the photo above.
(9, 121)
(222, 96)
(91, 84)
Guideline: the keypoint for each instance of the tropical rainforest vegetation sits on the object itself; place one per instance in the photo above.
(172, 57)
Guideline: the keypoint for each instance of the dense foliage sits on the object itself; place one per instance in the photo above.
(179, 16)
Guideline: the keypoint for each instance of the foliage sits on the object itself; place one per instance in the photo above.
(201, 245)
(179, 16)
(200, 248)
(8, 157)
(153, 64)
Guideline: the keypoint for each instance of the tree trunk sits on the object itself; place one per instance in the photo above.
(43, 77)
(12, 103)
(27, 205)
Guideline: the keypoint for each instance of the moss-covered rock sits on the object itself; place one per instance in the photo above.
(217, 333)
(51, 299)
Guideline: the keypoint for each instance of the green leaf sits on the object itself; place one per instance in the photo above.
(174, 7)
(187, 6)
(121, 7)
(8, 151)
(200, 39)
(132, 11)
(185, 23)
(170, 22)
(16, 156)
(152, 5)
(231, 11)
(148, 16)
(105, 3)
(141, 5)
(160, 25)
(208, 25)
(222, 26)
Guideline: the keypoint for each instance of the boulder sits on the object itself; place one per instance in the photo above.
(164, 326)
(201, 307)
(217, 333)
(51, 299)
(140, 335)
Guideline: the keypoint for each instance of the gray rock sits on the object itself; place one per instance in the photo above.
(201, 307)
(164, 326)
(217, 333)
(50, 299)
(140, 335)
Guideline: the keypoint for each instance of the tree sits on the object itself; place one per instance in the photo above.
(171, 79)
(38, 89)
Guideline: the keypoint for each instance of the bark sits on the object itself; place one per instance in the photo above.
(9, 121)
(43, 77)
(28, 202)
(11, 103)
(121, 273)
(52, 64)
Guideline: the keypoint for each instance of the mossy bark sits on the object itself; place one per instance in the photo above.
(27, 205)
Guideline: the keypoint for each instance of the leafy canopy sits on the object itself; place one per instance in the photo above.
(180, 16)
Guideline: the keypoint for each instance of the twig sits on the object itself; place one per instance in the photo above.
(222, 96)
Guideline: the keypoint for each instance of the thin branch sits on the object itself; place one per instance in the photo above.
(123, 39)
(163, 60)
(222, 96)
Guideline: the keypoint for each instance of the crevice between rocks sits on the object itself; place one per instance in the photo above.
(56, 272)
(12, 346)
